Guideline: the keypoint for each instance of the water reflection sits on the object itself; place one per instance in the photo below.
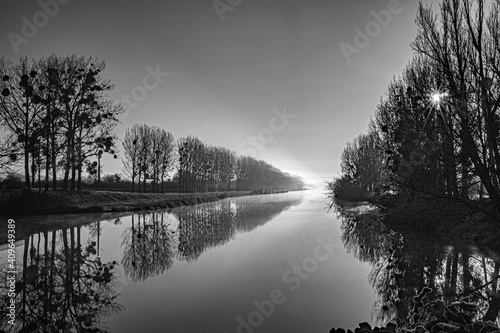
(61, 286)
(205, 227)
(64, 285)
(154, 239)
(148, 246)
(406, 260)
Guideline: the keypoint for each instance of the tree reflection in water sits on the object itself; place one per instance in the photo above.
(62, 287)
(204, 227)
(207, 226)
(155, 239)
(406, 260)
(148, 246)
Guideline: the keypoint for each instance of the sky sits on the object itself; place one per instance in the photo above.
(286, 81)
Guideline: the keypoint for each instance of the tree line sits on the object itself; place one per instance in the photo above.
(59, 121)
(436, 133)
(58, 115)
(149, 154)
(152, 154)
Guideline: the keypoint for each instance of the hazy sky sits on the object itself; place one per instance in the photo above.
(232, 69)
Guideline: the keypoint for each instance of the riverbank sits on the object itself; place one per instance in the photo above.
(454, 221)
(58, 202)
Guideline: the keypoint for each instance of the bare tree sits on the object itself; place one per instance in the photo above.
(19, 106)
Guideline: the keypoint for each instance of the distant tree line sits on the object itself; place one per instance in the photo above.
(152, 154)
(436, 133)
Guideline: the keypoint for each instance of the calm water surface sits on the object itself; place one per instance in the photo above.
(272, 263)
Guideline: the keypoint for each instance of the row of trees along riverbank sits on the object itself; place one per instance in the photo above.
(59, 120)
(435, 136)
(151, 153)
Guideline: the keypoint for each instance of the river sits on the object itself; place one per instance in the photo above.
(270, 263)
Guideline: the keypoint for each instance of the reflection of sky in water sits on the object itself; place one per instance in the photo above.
(206, 266)
(234, 252)
(224, 281)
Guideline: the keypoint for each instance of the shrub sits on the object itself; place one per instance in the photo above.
(433, 315)
(12, 181)
(345, 189)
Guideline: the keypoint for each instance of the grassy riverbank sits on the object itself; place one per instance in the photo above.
(58, 202)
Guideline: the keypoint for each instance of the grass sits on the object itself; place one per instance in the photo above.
(58, 202)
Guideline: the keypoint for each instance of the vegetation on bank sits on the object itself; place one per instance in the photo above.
(431, 314)
(456, 263)
(61, 202)
(346, 190)
(433, 145)
(431, 162)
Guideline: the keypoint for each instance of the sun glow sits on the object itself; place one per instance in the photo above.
(437, 96)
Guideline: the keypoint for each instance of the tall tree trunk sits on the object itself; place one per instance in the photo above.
(79, 166)
(133, 174)
(26, 151)
(39, 174)
(33, 168)
(139, 180)
(454, 273)
(447, 275)
(67, 164)
(99, 170)
(47, 163)
(494, 277)
(53, 157)
(73, 169)
(466, 275)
